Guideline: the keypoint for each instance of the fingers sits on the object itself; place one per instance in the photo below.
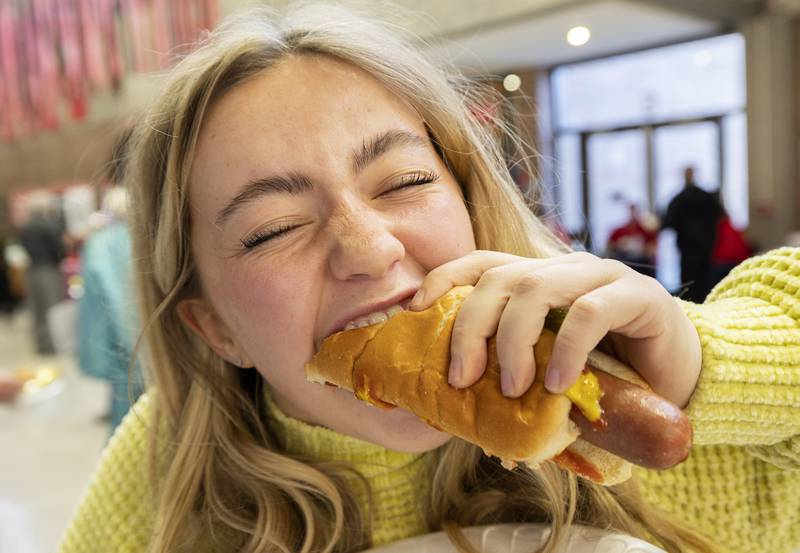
(533, 295)
(608, 308)
(465, 270)
(512, 302)
(513, 295)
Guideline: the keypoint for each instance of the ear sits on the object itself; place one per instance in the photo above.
(203, 320)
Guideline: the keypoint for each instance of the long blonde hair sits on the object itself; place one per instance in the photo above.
(219, 475)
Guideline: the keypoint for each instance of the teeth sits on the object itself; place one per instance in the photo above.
(374, 318)
(379, 317)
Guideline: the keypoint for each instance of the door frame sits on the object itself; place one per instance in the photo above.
(649, 130)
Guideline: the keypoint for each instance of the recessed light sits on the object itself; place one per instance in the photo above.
(578, 36)
(512, 82)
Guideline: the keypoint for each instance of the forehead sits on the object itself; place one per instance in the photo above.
(301, 101)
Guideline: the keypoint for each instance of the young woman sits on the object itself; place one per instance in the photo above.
(299, 173)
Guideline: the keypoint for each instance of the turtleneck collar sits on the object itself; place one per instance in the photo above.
(394, 477)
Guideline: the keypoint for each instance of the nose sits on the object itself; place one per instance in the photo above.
(364, 245)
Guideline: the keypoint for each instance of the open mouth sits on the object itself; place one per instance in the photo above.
(374, 317)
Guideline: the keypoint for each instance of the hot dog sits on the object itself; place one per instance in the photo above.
(404, 362)
(636, 424)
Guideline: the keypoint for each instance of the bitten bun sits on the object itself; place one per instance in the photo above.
(404, 362)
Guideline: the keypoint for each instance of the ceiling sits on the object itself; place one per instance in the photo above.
(496, 35)
(540, 39)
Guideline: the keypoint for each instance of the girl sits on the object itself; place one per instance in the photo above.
(299, 173)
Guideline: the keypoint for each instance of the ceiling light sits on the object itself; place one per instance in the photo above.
(512, 82)
(578, 36)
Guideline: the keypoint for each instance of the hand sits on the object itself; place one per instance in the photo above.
(642, 324)
(9, 389)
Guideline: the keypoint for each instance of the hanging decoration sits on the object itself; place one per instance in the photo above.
(56, 53)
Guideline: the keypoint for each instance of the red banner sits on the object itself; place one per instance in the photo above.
(57, 53)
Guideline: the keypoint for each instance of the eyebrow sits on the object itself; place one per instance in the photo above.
(297, 183)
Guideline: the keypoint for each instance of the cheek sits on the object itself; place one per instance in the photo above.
(441, 233)
(270, 313)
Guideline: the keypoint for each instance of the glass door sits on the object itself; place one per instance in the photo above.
(617, 169)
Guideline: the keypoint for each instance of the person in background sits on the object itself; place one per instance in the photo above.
(6, 296)
(42, 239)
(730, 249)
(694, 213)
(634, 244)
(107, 322)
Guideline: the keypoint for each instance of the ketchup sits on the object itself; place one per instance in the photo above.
(578, 465)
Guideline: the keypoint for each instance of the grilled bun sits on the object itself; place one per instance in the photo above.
(404, 362)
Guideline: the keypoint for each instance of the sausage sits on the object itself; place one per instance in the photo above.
(637, 424)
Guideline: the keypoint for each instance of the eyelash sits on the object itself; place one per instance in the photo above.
(417, 178)
(265, 236)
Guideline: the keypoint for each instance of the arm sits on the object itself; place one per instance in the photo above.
(670, 217)
(748, 393)
(116, 512)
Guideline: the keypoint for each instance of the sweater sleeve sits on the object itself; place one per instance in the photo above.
(115, 514)
(748, 393)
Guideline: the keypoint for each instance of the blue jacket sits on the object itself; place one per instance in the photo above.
(107, 316)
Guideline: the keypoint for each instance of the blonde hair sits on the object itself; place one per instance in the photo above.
(219, 467)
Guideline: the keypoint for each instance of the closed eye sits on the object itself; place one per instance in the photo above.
(416, 178)
(266, 235)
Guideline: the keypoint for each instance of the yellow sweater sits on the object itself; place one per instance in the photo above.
(740, 485)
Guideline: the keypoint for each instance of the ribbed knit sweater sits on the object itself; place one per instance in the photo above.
(740, 485)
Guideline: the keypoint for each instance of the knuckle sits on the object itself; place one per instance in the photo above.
(582, 256)
(567, 342)
(529, 282)
(615, 266)
(493, 276)
(589, 307)
(434, 274)
(460, 336)
(505, 340)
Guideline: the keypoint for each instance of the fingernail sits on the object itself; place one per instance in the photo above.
(552, 380)
(417, 299)
(507, 383)
(454, 375)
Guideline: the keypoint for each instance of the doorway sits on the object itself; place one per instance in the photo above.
(643, 165)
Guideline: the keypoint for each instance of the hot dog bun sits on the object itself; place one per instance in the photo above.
(404, 362)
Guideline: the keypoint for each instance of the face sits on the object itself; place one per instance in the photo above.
(316, 198)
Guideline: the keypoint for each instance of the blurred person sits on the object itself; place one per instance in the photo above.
(7, 299)
(42, 239)
(730, 249)
(634, 243)
(296, 173)
(694, 214)
(107, 321)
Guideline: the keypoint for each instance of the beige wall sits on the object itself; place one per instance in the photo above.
(772, 110)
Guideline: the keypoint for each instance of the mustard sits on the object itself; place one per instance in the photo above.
(586, 394)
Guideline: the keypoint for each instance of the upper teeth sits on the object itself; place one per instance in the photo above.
(373, 318)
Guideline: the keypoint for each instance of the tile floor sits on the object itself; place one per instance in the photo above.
(50, 442)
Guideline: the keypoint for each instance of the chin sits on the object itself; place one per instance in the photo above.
(397, 429)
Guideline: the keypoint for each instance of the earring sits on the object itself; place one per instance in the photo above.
(239, 362)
